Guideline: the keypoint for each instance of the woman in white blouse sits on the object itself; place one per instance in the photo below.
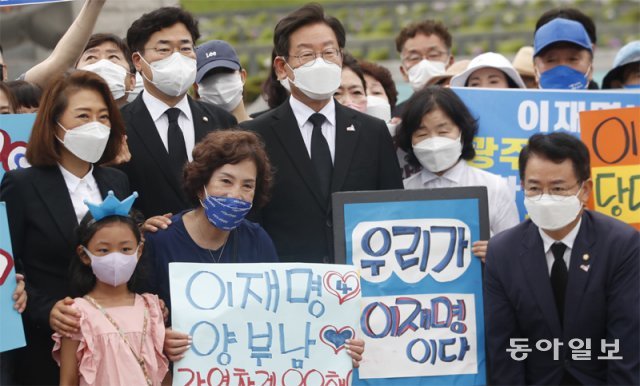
(437, 132)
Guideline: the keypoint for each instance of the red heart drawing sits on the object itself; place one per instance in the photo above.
(6, 264)
(334, 338)
(342, 295)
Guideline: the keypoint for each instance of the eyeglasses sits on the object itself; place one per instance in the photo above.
(557, 193)
(308, 58)
(166, 50)
(433, 55)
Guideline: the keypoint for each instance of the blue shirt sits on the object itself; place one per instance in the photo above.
(248, 243)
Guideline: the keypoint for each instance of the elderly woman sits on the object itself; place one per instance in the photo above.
(437, 132)
(353, 89)
(489, 70)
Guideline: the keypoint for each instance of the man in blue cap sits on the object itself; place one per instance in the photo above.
(220, 78)
(563, 55)
(626, 68)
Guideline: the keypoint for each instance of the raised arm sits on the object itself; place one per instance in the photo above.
(69, 48)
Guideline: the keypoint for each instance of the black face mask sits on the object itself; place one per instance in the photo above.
(1, 72)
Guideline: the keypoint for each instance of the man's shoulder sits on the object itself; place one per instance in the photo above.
(611, 228)
(512, 236)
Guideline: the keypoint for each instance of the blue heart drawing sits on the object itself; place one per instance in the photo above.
(336, 338)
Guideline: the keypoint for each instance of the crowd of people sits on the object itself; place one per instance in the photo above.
(130, 170)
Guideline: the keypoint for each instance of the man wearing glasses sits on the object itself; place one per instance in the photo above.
(425, 52)
(164, 123)
(562, 289)
(316, 145)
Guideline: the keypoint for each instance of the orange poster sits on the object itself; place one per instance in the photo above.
(613, 139)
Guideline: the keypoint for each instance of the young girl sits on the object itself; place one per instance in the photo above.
(121, 333)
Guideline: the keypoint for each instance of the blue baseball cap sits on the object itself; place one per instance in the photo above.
(215, 54)
(560, 30)
(630, 53)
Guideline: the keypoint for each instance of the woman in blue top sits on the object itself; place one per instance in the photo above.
(230, 172)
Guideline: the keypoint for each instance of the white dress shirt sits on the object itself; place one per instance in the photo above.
(568, 240)
(158, 109)
(503, 213)
(302, 113)
(81, 189)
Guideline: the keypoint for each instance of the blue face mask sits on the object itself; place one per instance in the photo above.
(225, 213)
(563, 78)
(632, 86)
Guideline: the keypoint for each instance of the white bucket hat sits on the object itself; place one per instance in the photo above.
(488, 60)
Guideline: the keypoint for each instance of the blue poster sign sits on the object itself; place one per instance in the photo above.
(11, 331)
(422, 312)
(4, 3)
(507, 118)
(15, 130)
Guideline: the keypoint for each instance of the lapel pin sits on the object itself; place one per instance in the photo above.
(585, 267)
(351, 128)
(205, 119)
(585, 257)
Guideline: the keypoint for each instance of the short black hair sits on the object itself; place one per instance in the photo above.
(570, 14)
(427, 100)
(309, 14)
(100, 38)
(26, 94)
(141, 30)
(557, 147)
(82, 277)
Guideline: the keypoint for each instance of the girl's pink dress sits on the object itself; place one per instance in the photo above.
(103, 356)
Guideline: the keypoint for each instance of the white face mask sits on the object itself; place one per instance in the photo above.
(174, 74)
(552, 213)
(421, 72)
(224, 90)
(112, 73)
(319, 81)
(285, 83)
(438, 153)
(86, 141)
(114, 269)
(378, 107)
(137, 89)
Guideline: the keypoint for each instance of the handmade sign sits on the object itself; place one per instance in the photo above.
(14, 134)
(11, 330)
(422, 313)
(613, 139)
(507, 118)
(265, 324)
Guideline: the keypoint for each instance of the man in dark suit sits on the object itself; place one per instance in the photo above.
(316, 145)
(164, 123)
(563, 281)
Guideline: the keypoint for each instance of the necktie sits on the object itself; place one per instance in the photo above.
(176, 145)
(559, 275)
(320, 154)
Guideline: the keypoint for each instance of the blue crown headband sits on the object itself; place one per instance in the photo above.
(111, 206)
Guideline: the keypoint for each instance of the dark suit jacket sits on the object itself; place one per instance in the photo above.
(297, 218)
(149, 170)
(42, 223)
(601, 303)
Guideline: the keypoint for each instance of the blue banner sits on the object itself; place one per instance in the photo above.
(507, 118)
(15, 130)
(4, 3)
(11, 331)
(422, 311)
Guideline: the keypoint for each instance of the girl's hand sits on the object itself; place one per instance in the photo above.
(176, 344)
(157, 222)
(355, 349)
(63, 318)
(20, 294)
(479, 248)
